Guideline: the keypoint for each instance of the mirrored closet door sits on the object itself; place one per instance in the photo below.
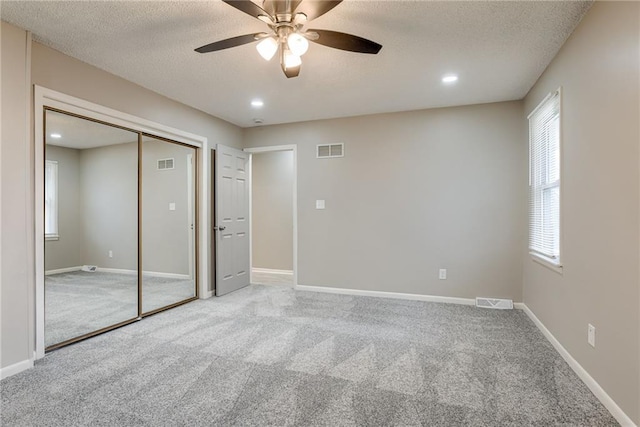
(91, 227)
(120, 226)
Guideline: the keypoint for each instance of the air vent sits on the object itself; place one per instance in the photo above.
(495, 303)
(327, 151)
(164, 164)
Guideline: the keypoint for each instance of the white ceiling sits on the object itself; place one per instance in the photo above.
(499, 49)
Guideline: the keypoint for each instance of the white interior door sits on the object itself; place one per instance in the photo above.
(231, 220)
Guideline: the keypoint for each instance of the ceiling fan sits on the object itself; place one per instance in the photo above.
(286, 19)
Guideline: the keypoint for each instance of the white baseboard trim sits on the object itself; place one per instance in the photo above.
(15, 368)
(582, 373)
(207, 295)
(62, 270)
(382, 294)
(146, 273)
(120, 271)
(272, 271)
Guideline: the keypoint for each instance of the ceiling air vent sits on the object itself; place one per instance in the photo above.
(327, 151)
(164, 164)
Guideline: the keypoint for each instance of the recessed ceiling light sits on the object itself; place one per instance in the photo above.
(450, 78)
(257, 103)
(55, 135)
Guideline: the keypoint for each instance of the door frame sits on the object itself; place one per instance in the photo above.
(44, 97)
(269, 149)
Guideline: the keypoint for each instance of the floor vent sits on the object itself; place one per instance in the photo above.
(90, 268)
(496, 303)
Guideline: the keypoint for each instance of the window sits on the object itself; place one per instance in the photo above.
(51, 200)
(544, 180)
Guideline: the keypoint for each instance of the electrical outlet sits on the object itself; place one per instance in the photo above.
(591, 335)
(442, 274)
(110, 254)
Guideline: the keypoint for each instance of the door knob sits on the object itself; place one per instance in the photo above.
(221, 228)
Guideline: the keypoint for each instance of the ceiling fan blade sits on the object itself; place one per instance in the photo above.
(247, 6)
(227, 43)
(315, 9)
(345, 41)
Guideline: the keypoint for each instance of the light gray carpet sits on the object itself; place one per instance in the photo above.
(80, 302)
(268, 355)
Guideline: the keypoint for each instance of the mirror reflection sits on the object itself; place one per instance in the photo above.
(168, 223)
(91, 226)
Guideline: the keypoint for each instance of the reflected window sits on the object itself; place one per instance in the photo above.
(51, 200)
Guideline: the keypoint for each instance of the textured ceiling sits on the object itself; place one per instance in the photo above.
(498, 49)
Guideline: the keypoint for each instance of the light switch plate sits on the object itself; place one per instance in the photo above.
(319, 204)
(172, 206)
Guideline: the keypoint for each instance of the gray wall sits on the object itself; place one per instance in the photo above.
(62, 73)
(109, 205)
(165, 238)
(16, 261)
(415, 192)
(272, 210)
(98, 208)
(598, 71)
(67, 250)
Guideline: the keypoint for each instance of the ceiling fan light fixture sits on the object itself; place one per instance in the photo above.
(267, 48)
(291, 60)
(298, 44)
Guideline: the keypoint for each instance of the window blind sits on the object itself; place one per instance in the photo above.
(544, 178)
(51, 198)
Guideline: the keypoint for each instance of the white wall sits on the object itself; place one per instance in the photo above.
(598, 69)
(415, 192)
(272, 210)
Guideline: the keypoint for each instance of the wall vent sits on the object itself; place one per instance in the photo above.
(327, 151)
(164, 164)
(496, 303)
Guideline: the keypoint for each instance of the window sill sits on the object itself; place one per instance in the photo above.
(546, 262)
(49, 237)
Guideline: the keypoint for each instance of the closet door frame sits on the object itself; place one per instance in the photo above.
(49, 99)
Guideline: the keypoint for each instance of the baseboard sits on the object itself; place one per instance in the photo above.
(382, 294)
(582, 373)
(16, 368)
(207, 295)
(62, 270)
(145, 273)
(272, 271)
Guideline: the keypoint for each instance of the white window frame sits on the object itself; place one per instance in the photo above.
(51, 195)
(541, 253)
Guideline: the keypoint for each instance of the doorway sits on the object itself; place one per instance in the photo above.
(273, 215)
